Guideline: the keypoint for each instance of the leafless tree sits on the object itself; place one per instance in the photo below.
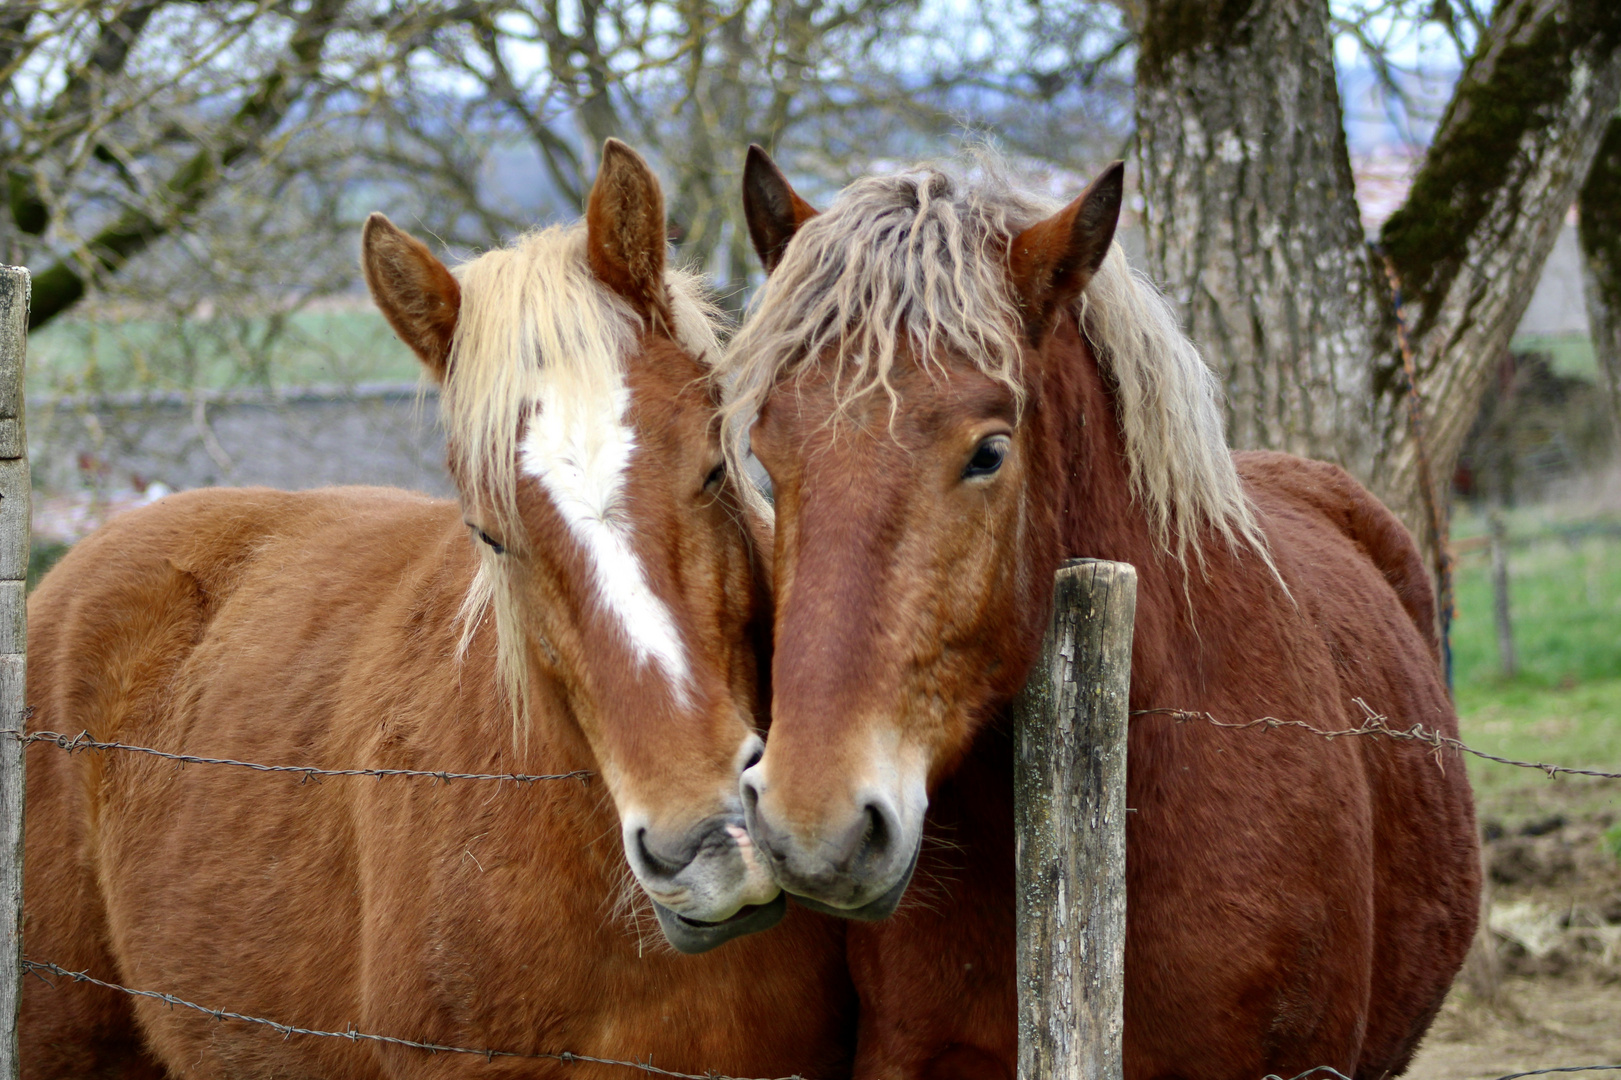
(129, 128)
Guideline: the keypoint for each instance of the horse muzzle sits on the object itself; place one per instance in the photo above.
(708, 886)
(691, 936)
(857, 869)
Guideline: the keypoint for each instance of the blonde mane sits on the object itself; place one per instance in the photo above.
(535, 322)
(920, 259)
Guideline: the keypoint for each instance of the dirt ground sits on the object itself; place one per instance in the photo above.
(1543, 989)
(1538, 1022)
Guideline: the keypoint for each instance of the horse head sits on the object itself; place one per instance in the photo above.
(616, 553)
(893, 371)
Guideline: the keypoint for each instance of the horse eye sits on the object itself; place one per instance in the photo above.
(490, 540)
(716, 475)
(988, 457)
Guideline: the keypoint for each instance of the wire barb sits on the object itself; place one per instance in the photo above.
(306, 773)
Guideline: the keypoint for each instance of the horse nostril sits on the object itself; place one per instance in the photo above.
(754, 758)
(663, 867)
(766, 842)
(878, 835)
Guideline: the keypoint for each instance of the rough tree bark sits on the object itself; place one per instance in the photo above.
(1252, 221)
(1599, 230)
(1513, 149)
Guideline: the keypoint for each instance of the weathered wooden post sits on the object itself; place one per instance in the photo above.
(1070, 810)
(14, 532)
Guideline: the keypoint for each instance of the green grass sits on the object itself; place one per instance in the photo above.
(111, 356)
(1564, 705)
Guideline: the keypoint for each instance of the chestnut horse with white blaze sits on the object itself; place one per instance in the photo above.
(957, 387)
(591, 604)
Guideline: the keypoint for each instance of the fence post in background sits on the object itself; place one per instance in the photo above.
(14, 530)
(1069, 792)
(1500, 614)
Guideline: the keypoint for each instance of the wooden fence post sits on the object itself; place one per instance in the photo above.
(1500, 612)
(1070, 810)
(14, 536)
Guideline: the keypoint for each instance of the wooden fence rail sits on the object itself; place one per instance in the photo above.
(14, 493)
(1069, 794)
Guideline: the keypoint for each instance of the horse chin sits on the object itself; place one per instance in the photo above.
(872, 910)
(691, 936)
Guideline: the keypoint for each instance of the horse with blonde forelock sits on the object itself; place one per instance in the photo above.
(955, 386)
(594, 602)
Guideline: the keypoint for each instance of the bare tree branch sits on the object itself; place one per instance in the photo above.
(62, 284)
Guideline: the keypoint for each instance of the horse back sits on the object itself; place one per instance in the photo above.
(1334, 496)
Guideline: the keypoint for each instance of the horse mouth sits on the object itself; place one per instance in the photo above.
(691, 936)
(873, 910)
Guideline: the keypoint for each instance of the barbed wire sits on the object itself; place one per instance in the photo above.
(36, 967)
(1373, 724)
(1376, 724)
(83, 741)
(1334, 1074)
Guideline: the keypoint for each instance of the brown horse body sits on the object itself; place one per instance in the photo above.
(1291, 902)
(473, 913)
(367, 628)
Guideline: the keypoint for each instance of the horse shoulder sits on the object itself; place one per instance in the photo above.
(115, 620)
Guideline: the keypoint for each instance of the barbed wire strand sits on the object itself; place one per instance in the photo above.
(35, 967)
(1375, 724)
(1334, 1074)
(83, 741)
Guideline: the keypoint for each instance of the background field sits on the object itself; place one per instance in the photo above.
(341, 344)
(1564, 705)
(1546, 990)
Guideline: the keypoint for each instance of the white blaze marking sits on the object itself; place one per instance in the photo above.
(578, 447)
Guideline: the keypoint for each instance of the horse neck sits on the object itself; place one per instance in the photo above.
(1095, 515)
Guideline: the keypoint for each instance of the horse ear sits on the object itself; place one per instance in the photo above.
(625, 234)
(1053, 261)
(416, 294)
(772, 208)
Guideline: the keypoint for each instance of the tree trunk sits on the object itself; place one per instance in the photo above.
(1252, 221)
(1599, 206)
(1469, 245)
